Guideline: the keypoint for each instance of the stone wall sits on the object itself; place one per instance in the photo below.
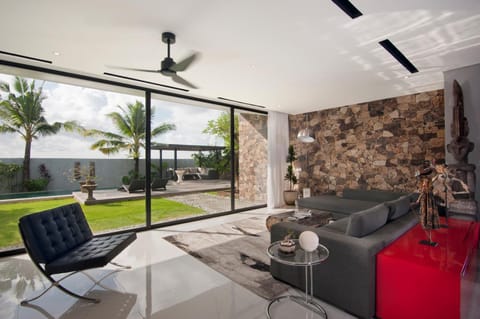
(253, 157)
(374, 145)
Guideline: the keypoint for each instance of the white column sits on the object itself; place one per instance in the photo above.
(277, 154)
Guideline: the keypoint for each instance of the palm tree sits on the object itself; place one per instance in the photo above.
(22, 112)
(131, 124)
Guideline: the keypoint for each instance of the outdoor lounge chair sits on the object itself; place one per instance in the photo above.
(59, 240)
(159, 183)
(135, 186)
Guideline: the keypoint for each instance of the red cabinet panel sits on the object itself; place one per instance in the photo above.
(419, 281)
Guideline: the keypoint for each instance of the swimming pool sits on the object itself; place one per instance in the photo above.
(34, 194)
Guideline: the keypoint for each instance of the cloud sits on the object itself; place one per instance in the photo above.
(89, 108)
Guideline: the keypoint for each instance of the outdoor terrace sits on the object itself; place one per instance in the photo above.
(173, 189)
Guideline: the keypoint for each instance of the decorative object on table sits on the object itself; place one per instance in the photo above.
(306, 192)
(287, 245)
(460, 146)
(308, 240)
(302, 213)
(429, 218)
(291, 194)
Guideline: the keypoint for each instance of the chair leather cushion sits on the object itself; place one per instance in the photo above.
(54, 232)
(96, 252)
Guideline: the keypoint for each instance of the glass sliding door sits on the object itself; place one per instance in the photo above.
(192, 156)
(62, 142)
(83, 140)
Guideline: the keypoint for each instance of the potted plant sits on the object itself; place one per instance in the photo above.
(84, 175)
(290, 195)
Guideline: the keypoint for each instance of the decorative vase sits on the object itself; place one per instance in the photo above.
(290, 197)
(287, 246)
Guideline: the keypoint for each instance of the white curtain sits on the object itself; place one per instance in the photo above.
(277, 154)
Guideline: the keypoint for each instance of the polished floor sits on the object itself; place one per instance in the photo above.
(164, 282)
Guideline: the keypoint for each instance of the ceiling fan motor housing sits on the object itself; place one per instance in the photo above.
(167, 63)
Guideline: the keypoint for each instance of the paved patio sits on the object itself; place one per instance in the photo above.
(173, 189)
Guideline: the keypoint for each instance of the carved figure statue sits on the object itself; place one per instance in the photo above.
(460, 145)
(443, 185)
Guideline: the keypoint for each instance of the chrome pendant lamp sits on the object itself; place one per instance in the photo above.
(304, 134)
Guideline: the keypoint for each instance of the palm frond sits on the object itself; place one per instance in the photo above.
(162, 129)
(107, 135)
(73, 126)
(4, 128)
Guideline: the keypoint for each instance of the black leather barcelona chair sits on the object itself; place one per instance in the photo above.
(60, 241)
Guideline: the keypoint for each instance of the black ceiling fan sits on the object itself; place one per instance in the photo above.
(169, 67)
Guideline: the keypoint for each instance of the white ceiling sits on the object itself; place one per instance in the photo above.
(289, 55)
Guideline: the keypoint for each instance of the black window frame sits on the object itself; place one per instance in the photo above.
(148, 98)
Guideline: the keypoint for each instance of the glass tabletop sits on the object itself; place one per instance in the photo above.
(298, 257)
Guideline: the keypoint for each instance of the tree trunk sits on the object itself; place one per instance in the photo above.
(136, 168)
(26, 162)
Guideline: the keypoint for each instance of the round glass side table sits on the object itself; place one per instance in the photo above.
(300, 257)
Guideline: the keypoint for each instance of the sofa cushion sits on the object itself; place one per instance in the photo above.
(398, 207)
(367, 221)
(333, 203)
(373, 195)
(339, 226)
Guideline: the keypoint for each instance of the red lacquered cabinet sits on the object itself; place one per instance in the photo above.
(419, 281)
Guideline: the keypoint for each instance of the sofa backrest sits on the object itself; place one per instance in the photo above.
(398, 207)
(373, 195)
(49, 234)
(367, 221)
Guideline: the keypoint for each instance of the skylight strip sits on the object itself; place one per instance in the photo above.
(348, 8)
(398, 55)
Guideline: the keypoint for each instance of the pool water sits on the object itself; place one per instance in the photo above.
(34, 194)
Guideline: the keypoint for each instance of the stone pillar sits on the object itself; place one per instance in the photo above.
(253, 157)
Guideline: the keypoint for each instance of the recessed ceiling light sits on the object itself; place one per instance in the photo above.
(56, 53)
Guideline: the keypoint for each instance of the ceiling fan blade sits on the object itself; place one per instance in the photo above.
(184, 64)
(133, 69)
(180, 80)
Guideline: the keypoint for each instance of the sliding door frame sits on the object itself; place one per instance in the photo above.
(148, 97)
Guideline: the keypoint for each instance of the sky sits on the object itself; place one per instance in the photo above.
(89, 108)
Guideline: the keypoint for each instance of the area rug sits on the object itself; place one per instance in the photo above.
(238, 250)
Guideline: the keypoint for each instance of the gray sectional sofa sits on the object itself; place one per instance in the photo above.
(366, 222)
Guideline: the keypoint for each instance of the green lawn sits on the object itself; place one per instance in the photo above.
(100, 217)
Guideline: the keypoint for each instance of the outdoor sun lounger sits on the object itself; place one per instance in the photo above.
(159, 183)
(135, 186)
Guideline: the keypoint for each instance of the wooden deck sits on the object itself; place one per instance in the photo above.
(173, 188)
